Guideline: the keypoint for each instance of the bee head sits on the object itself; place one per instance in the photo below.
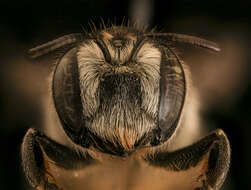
(119, 89)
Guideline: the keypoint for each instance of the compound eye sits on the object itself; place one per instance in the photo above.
(172, 95)
(66, 94)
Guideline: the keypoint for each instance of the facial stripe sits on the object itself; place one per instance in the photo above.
(122, 122)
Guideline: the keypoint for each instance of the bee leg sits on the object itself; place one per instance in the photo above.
(39, 153)
(205, 162)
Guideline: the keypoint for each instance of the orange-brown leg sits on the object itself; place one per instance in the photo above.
(206, 162)
(39, 153)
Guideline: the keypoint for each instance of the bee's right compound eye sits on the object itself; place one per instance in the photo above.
(66, 95)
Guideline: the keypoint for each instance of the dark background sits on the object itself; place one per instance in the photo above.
(223, 80)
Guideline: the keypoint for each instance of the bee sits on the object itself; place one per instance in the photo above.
(123, 98)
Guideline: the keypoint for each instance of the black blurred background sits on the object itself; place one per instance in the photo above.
(223, 80)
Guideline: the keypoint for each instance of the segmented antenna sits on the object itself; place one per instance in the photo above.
(182, 38)
(55, 44)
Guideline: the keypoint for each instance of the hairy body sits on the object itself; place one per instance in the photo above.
(126, 113)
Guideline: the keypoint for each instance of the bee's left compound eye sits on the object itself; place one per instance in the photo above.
(66, 94)
(172, 95)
